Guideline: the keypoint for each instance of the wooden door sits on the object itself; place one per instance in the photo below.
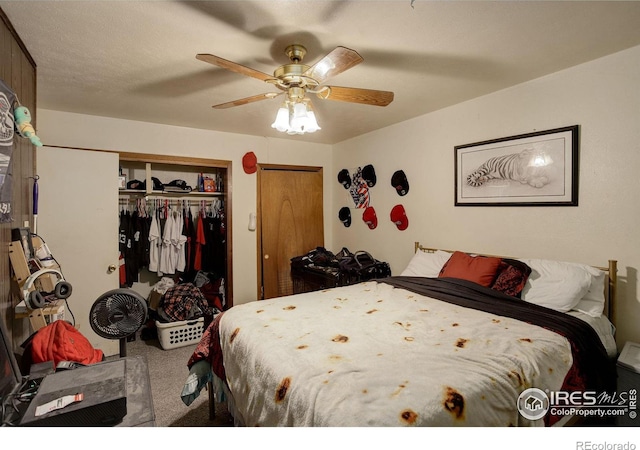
(290, 221)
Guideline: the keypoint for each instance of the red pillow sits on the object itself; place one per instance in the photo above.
(479, 269)
(512, 276)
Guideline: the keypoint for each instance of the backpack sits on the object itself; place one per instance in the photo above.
(61, 341)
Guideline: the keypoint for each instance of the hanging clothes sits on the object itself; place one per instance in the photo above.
(214, 248)
(200, 242)
(155, 244)
(126, 247)
(176, 239)
(189, 232)
(172, 257)
(142, 238)
(165, 265)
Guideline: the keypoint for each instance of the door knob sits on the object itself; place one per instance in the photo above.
(266, 256)
(112, 268)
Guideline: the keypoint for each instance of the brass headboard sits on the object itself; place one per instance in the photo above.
(610, 286)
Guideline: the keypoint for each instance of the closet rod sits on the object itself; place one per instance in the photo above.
(171, 199)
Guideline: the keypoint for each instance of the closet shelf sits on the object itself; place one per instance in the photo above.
(139, 193)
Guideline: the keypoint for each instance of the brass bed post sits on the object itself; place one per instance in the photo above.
(612, 290)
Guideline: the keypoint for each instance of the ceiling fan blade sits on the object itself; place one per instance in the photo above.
(356, 95)
(244, 101)
(337, 61)
(234, 67)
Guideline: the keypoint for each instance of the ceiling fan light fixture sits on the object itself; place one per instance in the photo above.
(299, 118)
(312, 124)
(296, 118)
(282, 118)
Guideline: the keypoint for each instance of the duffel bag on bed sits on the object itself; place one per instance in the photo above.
(362, 267)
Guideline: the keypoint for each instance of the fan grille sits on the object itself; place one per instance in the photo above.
(118, 314)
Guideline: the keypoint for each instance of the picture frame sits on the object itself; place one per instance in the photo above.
(532, 169)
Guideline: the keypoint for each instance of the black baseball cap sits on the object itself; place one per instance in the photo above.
(399, 181)
(344, 178)
(369, 175)
(135, 184)
(345, 216)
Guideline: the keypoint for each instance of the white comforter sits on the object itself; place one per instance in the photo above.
(374, 355)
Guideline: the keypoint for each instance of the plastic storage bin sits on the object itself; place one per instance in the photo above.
(178, 334)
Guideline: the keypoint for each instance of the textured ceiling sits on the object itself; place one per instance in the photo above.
(136, 59)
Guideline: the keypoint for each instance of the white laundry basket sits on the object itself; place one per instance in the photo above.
(181, 333)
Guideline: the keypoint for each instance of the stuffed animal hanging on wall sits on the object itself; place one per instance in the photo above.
(22, 118)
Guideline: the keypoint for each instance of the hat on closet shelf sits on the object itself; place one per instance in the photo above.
(177, 186)
(135, 184)
(157, 184)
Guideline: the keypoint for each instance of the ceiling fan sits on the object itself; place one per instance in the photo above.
(296, 79)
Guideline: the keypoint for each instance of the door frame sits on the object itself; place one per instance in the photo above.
(259, 260)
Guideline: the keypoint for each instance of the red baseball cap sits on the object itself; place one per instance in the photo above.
(399, 217)
(370, 218)
(249, 162)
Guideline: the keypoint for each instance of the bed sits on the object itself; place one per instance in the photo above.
(454, 340)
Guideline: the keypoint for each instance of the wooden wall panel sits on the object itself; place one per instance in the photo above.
(18, 70)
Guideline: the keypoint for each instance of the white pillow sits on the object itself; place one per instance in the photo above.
(425, 264)
(556, 284)
(592, 303)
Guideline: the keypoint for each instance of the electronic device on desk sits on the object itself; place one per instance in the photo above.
(93, 395)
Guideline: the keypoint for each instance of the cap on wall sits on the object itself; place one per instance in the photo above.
(399, 181)
(399, 217)
(345, 216)
(344, 178)
(370, 218)
(249, 163)
(369, 175)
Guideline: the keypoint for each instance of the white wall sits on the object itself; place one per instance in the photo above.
(76, 130)
(602, 96)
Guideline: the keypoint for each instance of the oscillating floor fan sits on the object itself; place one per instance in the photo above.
(117, 314)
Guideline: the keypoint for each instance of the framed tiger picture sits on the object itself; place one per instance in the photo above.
(533, 169)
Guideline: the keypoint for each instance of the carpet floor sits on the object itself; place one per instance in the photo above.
(168, 372)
